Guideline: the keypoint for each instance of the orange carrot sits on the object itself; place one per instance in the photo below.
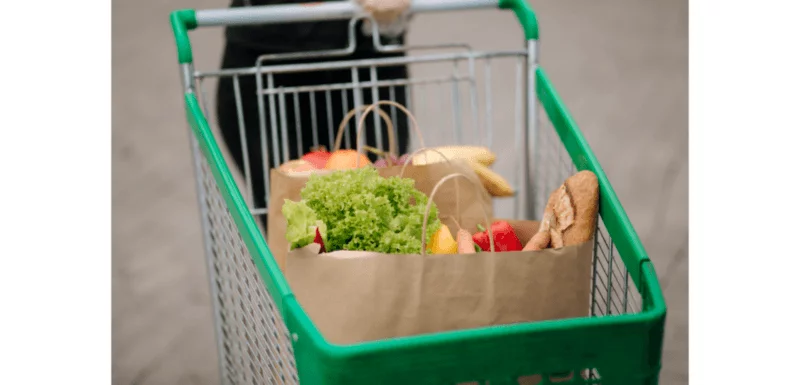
(465, 243)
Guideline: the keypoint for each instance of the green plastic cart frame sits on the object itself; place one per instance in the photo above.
(264, 336)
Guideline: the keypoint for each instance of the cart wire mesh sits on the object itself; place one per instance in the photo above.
(453, 96)
(463, 104)
(253, 341)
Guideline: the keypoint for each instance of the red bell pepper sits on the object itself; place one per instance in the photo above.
(318, 240)
(504, 238)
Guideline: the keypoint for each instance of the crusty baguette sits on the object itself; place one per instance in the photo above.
(541, 240)
(570, 216)
(581, 194)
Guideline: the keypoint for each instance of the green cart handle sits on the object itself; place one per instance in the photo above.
(187, 19)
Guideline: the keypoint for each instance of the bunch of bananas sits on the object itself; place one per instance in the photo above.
(479, 158)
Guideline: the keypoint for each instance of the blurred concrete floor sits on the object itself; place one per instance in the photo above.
(620, 65)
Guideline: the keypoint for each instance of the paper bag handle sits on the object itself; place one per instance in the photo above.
(428, 211)
(340, 131)
(446, 159)
(371, 107)
(411, 156)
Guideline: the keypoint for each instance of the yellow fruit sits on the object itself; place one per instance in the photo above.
(478, 154)
(495, 184)
(442, 242)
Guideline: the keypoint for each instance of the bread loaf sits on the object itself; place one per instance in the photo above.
(575, 206)
(570, 217)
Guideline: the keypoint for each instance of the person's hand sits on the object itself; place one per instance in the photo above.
(391, 16)
(385, 11)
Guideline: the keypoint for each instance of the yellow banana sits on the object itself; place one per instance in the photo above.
(479, 154)
(495, 184)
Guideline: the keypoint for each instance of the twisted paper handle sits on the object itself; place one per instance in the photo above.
(428, 211)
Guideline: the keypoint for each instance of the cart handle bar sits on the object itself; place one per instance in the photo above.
(188, 19)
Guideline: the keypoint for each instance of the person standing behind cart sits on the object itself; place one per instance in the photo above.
(243, 46)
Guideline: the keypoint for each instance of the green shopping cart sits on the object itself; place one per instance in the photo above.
(264, 336)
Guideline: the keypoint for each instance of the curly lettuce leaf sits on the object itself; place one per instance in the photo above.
(367, 212)
(302, 224)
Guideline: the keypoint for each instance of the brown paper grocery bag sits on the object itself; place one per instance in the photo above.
(467, 208)
(365, 296)
(362, 296)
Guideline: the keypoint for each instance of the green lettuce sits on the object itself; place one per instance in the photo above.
(302, 224)
(367, 212)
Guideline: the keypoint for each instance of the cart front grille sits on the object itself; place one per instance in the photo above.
(254, 343)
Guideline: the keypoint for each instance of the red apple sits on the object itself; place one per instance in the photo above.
(317, 157)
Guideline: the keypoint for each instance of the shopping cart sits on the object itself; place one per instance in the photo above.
(503, 100)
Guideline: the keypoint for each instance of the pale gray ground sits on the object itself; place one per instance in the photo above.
(621, 66)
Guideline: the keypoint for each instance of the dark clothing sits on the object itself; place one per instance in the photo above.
(288, 37)
(245, 44)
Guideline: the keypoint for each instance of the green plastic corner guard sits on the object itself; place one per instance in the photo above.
(182, 21)
(525, 15)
